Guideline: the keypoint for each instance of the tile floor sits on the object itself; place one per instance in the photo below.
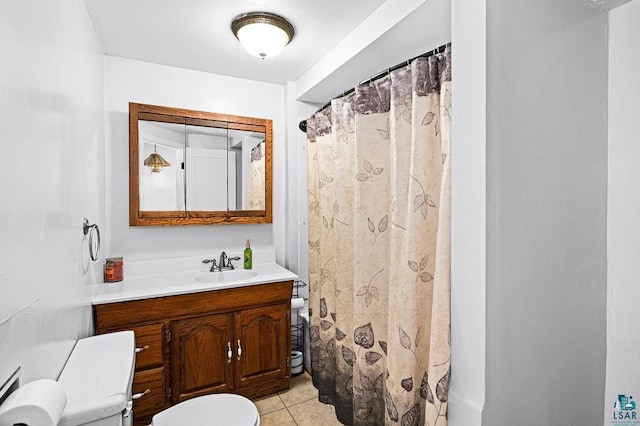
(298, 406)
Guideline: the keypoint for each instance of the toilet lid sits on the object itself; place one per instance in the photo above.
(210, 410)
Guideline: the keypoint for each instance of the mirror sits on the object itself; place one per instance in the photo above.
(194, 168)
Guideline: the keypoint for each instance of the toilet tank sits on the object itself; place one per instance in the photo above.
(97, 379)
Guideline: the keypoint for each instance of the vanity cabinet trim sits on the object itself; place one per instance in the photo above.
(173, 307)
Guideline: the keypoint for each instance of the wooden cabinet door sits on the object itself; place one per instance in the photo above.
(264, 336)
(199, 359)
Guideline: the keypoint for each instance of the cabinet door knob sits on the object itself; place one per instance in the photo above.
(239, 349)
(144, 348)
(140, 395)
(229, 352)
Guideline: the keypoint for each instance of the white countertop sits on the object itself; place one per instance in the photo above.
(173, 283)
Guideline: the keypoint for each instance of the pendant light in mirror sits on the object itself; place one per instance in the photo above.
(155, 162)
(262, 34)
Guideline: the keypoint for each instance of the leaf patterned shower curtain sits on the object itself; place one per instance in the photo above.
(379, 238)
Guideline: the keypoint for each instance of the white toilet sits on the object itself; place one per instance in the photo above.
(221, 409)
(94, 389)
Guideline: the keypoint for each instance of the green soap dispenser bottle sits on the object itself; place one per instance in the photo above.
(248, 256)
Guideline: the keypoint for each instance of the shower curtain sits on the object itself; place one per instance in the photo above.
(379, 238)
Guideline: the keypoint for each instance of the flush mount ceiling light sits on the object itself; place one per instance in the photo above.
(155, 162)
(262, 34)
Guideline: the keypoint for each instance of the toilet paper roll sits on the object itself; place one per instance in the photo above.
(297, 303)
(37, 403)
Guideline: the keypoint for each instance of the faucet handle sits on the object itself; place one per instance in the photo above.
(229, 259)
(214, 266)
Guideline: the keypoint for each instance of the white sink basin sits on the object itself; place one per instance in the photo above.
(226, 276)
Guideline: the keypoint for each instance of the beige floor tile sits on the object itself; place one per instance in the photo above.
(301, 379)
(269, 404)
(314, 413)
(277, 418)
(301, 390)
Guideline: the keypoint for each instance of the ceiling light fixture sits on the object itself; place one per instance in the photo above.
(155, 162)
(262, 34)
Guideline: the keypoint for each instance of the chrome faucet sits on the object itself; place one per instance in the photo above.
(225, 262)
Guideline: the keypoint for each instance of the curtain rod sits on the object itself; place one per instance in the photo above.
(303, 124)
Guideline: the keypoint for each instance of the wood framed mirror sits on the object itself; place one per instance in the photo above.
(191, 167)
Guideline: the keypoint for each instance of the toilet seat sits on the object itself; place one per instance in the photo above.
(210, 410)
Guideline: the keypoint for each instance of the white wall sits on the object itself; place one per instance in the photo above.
(468, 212)
(297, 212)
(52, 135)
(142, 82)
(297, 197)
(398, 30)
(546, 212)
(623, 220)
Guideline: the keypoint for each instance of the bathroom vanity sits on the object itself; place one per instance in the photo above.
(202, 338)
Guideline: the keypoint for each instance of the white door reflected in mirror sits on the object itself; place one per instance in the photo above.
(211, 179)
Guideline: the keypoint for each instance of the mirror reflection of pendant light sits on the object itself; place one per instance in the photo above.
(262, 34)
(155, 162)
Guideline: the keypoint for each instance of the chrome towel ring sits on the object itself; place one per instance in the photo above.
(92, 230)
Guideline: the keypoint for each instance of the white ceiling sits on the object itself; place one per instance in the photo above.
(398, 30)
(196, 34)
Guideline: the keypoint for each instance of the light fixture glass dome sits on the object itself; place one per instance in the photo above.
(262, 34)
